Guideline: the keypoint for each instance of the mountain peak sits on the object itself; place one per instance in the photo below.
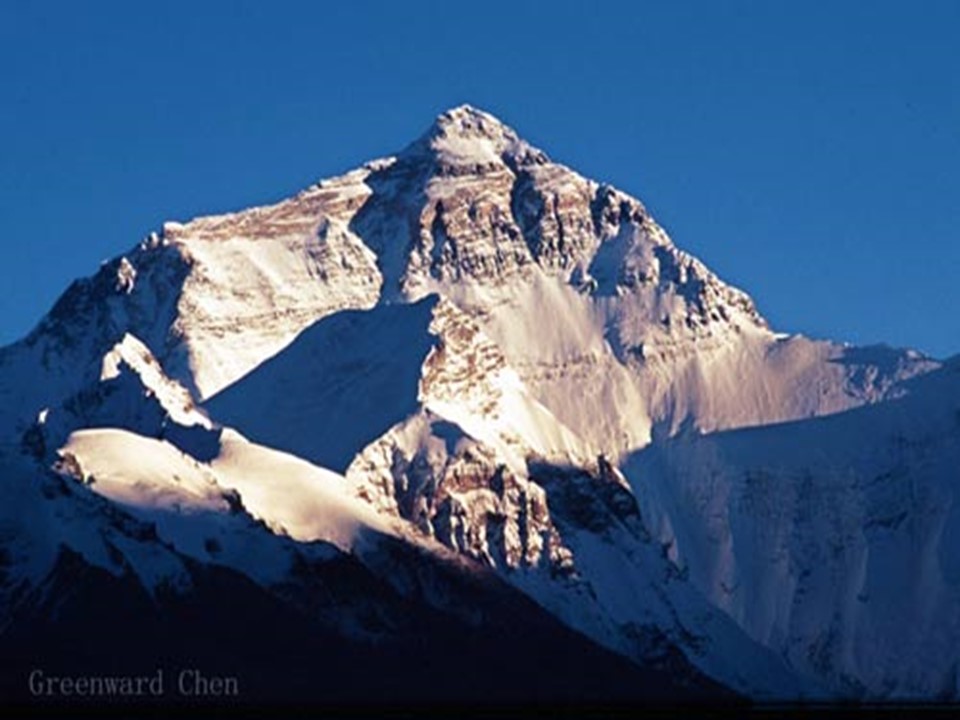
(465, 136)
(467, 120)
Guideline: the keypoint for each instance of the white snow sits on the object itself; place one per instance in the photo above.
(290, 495)
(829, 540)
(207, 511)
(295, 497)
(173, 397)
(143, 472)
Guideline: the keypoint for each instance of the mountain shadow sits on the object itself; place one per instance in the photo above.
(342, 383)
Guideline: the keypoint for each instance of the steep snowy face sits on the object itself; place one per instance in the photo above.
(831, 540)
(261, 276)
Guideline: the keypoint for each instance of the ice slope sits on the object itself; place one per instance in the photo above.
(832, 541)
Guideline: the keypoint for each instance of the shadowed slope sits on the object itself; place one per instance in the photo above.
(832, 540)
(341, 384)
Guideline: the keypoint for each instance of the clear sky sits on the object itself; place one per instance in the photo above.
(808, 152)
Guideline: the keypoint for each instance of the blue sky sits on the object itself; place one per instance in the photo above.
(807, 152)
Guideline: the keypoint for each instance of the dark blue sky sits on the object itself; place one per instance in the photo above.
(808, 152)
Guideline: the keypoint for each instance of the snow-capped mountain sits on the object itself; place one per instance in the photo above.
(467, 361)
